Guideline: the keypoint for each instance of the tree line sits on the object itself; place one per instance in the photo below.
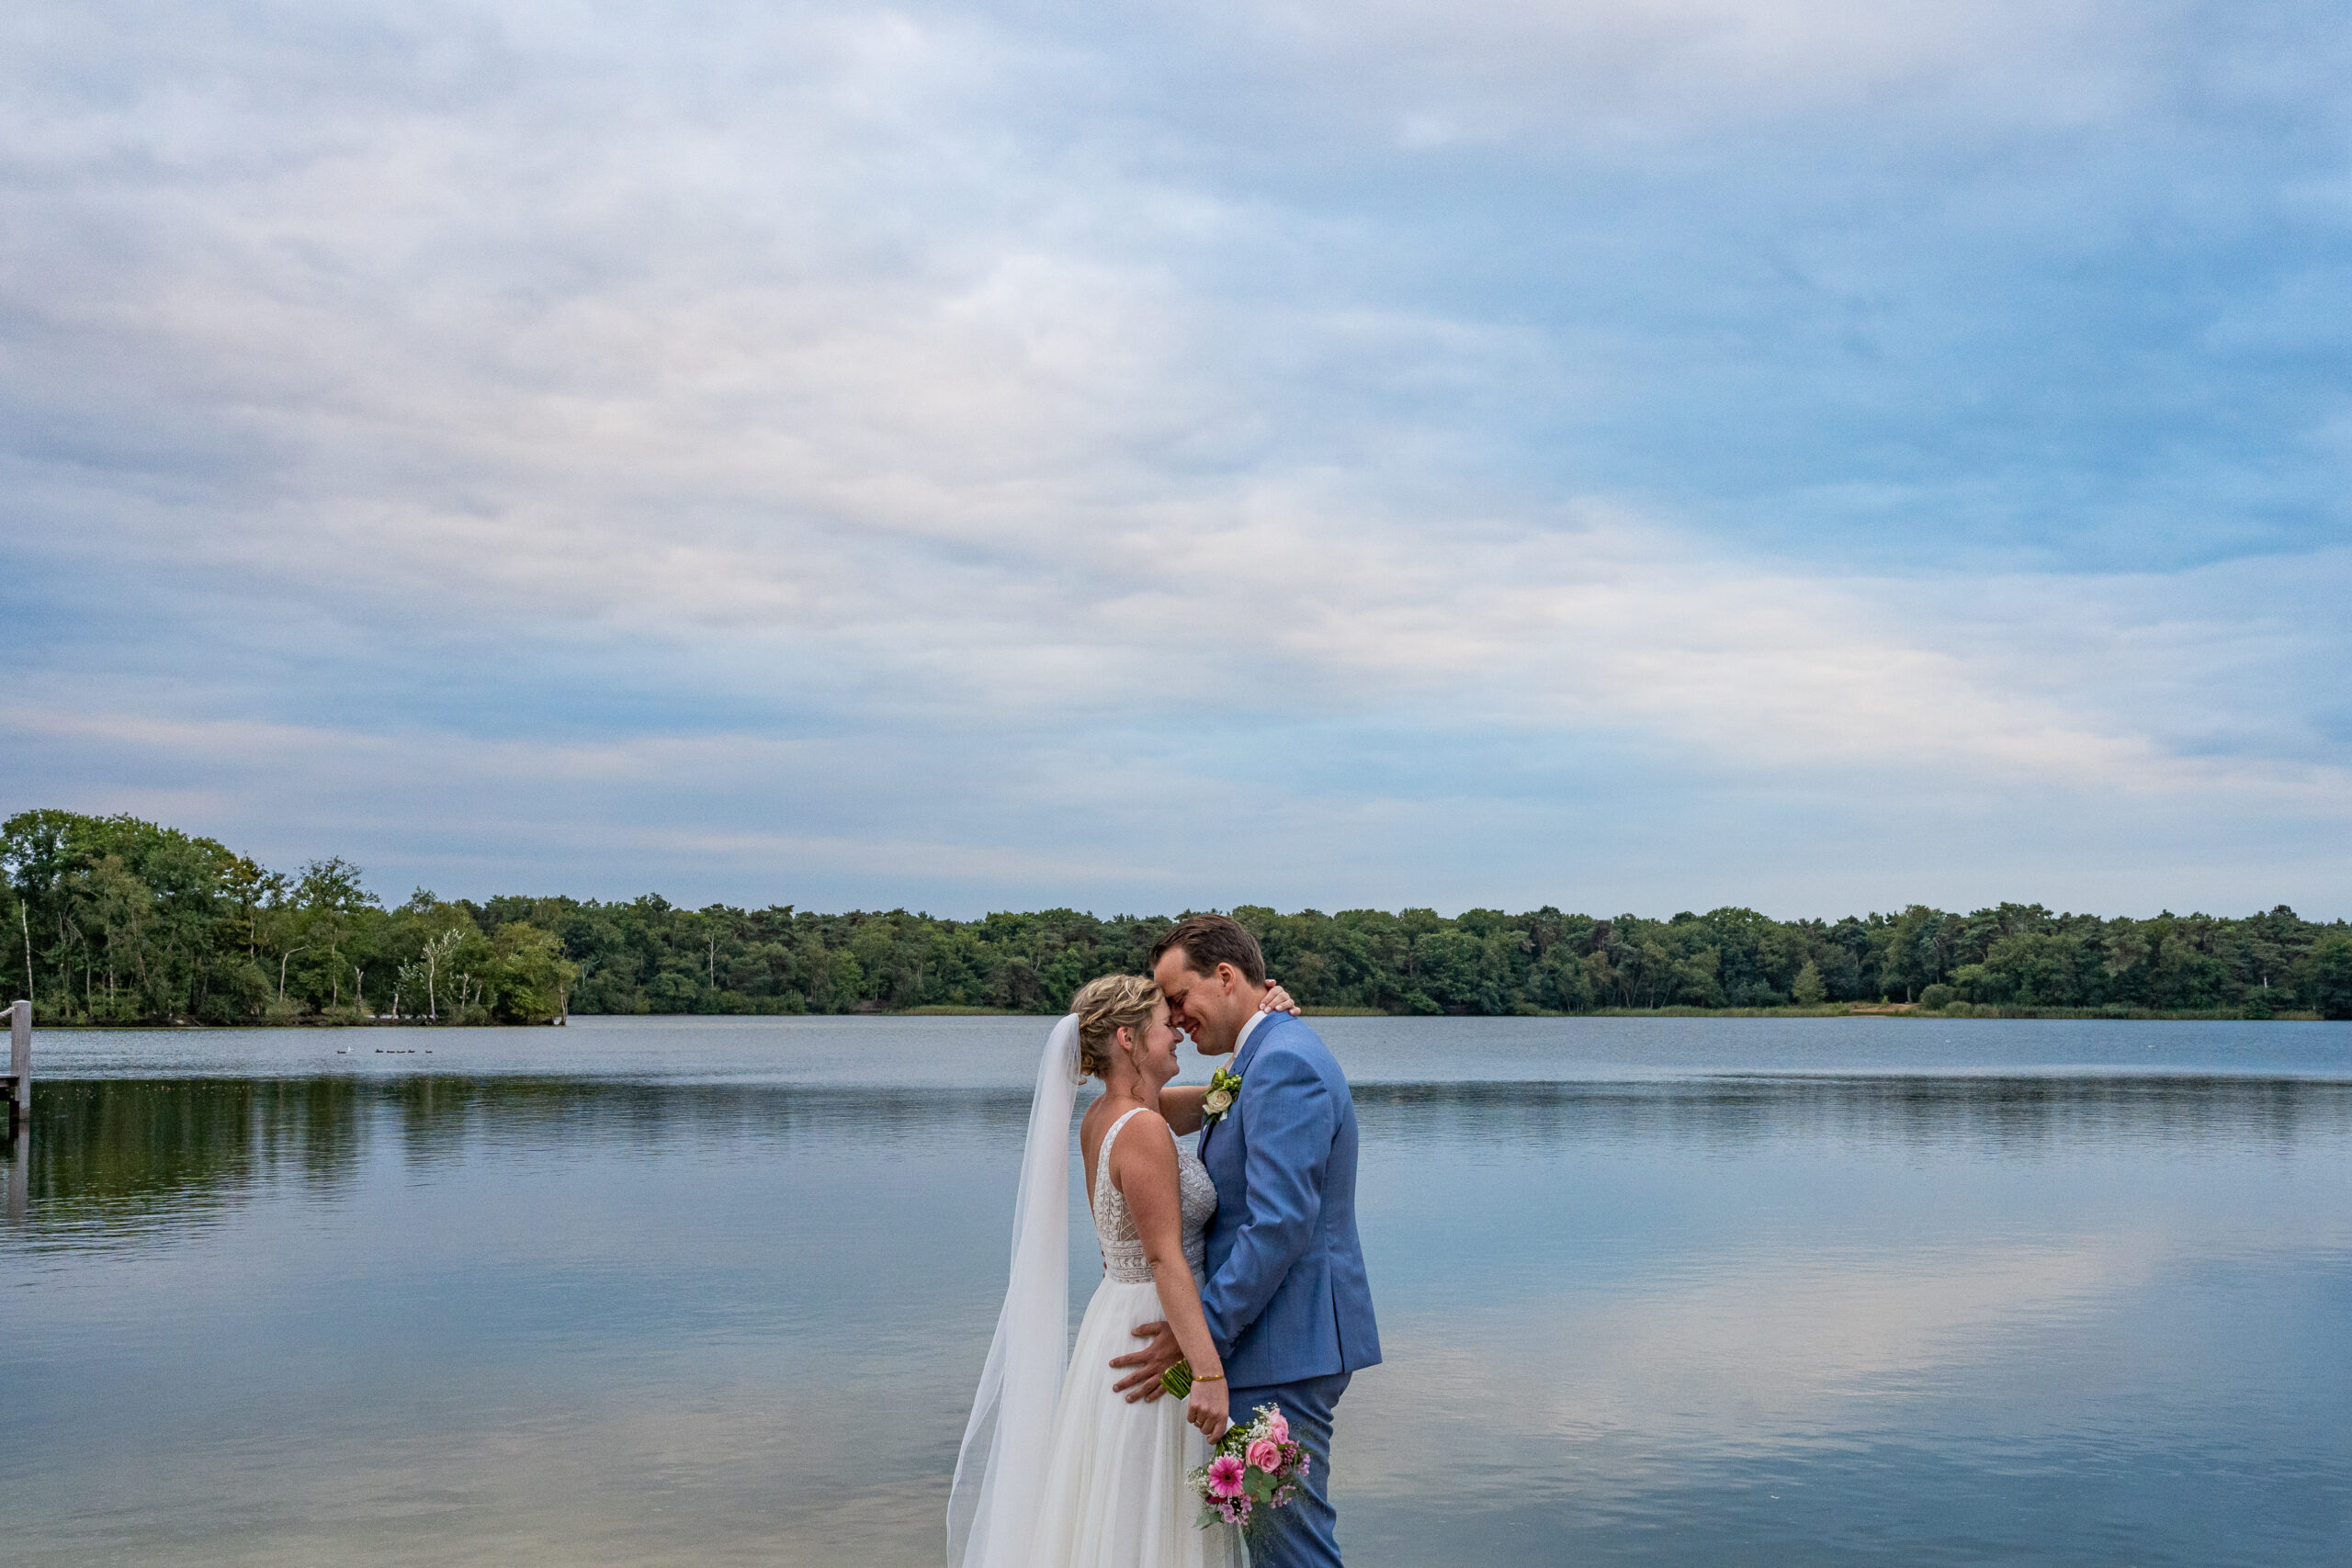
(118, 920)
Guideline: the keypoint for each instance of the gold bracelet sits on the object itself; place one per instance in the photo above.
(1208, 1376)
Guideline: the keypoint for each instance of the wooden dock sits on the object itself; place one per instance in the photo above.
(20, 1078)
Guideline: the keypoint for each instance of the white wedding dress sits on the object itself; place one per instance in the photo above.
(1115, 1491)
(1057, 1470)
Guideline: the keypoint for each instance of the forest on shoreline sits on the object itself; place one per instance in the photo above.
(119, 920)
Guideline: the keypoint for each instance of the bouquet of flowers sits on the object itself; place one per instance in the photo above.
(1256, 1466)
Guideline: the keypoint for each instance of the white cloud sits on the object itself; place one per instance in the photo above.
(1654, 74)
(906, 368)
(944, 494)
(1794, 1347)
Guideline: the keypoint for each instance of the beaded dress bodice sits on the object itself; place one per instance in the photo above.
(1115, 1223)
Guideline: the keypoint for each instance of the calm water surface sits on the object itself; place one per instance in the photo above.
(1673, 1292)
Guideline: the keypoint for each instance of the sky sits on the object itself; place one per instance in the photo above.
(1812, 454)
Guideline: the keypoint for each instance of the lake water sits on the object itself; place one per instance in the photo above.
(1672, 1292)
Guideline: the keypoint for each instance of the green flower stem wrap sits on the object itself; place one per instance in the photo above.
(1177, 1379)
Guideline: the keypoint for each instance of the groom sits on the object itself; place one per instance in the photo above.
(1286, 1298)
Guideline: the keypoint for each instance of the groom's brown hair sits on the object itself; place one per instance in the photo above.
(1210, 940)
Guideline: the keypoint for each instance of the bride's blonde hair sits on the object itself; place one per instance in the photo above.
(1107, 1006)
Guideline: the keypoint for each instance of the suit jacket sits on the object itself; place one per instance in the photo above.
(1286, 1296)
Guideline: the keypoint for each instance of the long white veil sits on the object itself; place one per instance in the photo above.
(1001, 1471)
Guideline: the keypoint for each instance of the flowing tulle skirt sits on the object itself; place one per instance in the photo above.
(1115, 1495)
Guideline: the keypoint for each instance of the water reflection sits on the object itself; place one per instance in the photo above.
(124, 1156)
(531, 1319)
(121, 1154)
(2009, 1114)
(18, 1153)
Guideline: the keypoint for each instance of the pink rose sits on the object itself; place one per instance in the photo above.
(1265, 1455)
(1276, 1428)
(1224, 1476)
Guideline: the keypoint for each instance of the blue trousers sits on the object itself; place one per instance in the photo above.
(1304, 1533)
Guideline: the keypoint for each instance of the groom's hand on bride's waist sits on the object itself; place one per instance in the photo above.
(1143, 1381)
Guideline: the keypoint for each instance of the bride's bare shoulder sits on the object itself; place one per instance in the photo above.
(1145, 1116)
(1095, 1126)
(1146, 1143)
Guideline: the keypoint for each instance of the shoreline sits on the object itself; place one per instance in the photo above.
(1960, 1012)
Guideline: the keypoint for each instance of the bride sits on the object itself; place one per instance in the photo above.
(1067, 1474)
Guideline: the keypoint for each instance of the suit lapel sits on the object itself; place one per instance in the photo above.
(1241, 1061)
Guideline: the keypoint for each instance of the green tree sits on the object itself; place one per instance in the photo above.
(329, 906)
(2326, 977)
(106, 894)
(531, 979)
(118, 919)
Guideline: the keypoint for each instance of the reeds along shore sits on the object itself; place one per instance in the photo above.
(118, 920)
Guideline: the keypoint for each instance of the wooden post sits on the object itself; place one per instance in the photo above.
(20, 1063)
(20, 1108)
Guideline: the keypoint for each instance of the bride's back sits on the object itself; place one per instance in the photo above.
(1126, 1259)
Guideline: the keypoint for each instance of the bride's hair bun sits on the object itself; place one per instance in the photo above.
(1107, 1006)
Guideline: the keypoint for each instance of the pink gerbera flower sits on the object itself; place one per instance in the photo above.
(1225, 1475)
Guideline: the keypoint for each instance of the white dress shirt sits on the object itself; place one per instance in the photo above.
(1243, 1038)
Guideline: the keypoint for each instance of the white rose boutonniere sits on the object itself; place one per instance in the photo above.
(1222, 1088)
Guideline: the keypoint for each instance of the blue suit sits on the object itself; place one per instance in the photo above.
(1286, 1297)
